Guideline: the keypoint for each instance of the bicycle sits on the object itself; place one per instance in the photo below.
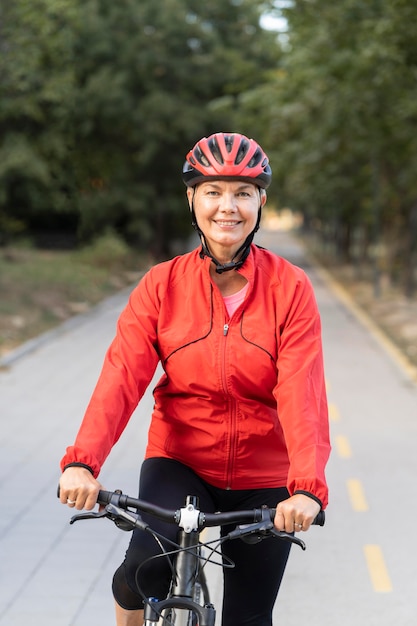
(188, 602)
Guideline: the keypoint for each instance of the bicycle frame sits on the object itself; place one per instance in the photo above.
(182, 593)
(180, 608)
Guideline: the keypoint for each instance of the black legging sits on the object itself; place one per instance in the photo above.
(250, 589)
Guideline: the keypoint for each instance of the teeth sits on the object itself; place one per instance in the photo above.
(227, 223)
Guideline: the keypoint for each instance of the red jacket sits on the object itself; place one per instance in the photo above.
(242, 400)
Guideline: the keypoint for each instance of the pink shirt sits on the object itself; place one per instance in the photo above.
(233, 301)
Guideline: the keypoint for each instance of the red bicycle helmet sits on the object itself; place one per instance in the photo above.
(224, 156)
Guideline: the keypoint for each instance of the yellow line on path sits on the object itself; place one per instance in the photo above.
(334, 414)
(343, 446)
(377, 569)
(357, 495)
(389, 346)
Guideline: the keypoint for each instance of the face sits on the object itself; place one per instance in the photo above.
(226, 212)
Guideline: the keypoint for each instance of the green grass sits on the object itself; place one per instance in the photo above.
(40, 289)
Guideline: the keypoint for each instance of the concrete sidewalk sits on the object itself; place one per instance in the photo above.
(54, 574)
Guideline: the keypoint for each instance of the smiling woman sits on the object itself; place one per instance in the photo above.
(226, 213)
(240, 413)
(227, 157)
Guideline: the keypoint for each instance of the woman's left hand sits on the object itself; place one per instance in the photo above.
(296, 513)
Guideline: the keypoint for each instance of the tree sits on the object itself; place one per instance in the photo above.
(139, 86)
(169, 66)
(35, 100)
(342, 114)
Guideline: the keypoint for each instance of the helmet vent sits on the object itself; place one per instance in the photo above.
(241, 153)
(201, 157)
(255, 159)
(215, 150)
(228, 140)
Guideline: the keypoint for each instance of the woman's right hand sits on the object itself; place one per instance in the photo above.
(78, 488)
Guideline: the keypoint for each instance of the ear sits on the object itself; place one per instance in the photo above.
(190, 196)
(263, 197)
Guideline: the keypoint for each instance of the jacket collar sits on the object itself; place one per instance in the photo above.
(248, 268)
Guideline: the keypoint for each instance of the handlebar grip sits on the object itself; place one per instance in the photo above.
(320, 519)
(104, 497)
(317, 521)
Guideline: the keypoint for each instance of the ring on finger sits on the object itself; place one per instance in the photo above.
(71, 501)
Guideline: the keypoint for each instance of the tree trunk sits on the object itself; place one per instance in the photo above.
(410, 253)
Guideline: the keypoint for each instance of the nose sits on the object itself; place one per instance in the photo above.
(228, 202)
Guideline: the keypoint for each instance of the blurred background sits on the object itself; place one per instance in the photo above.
(101, 100)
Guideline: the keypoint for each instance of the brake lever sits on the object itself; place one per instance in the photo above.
(125, 520)
(281, 534)
(88, 515)
(253, 533)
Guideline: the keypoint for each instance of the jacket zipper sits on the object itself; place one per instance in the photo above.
(232, 414)
(231, 409)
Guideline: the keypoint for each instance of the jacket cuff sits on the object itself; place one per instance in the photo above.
(76, 457)
(84, 465)
(309, 495)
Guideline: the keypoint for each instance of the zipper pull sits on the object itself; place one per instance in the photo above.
(225, 329)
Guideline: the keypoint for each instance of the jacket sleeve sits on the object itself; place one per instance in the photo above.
(128, 368)
(300, 391)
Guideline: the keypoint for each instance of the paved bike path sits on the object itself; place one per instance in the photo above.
(54, 574)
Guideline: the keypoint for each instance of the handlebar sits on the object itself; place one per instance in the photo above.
(254, 524)
(123, 501)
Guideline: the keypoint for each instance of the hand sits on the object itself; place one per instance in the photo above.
(78, 488)
(296, 513)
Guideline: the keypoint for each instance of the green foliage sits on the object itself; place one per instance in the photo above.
(101, 100)
(108, 251)
(42, 288)
(35, 101)
(339, 122)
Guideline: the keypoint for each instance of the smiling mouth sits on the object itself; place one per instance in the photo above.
(226, 223)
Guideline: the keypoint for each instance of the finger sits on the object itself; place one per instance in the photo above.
(63, 497)
(285, 517)
(62, 494)
(279, 521)
(87, 495)
(298, 526)
(91, 500)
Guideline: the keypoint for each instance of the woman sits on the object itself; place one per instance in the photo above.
(240, 416)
